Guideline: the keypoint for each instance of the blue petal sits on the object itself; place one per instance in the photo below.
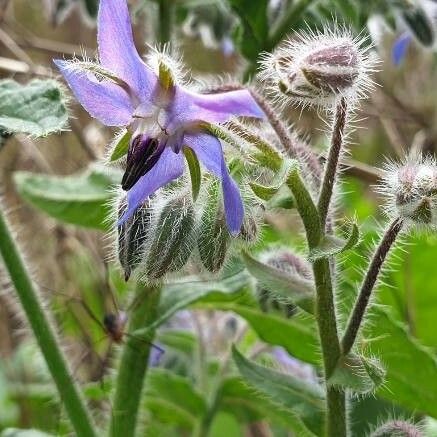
(209, 151)
(400, 47)
(103, 100)
(188, 107)
(169, 167)
(117, 50)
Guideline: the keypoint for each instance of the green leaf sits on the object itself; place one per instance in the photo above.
(181, 341)
(360, 374)
(332, 245)
(298, 334)
(304, 399)
(175, 389)
(266, 192)
(80, 199)
(194, 168)
(249, 405)
(35, 109)
(411, 368)
(420, 24)
(254, 26)
(285, 285)
(121, 145)
(175, 297)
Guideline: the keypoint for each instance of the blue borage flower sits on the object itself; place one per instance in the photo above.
(164, 116)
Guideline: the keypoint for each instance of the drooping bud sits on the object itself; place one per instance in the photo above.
(173, 243)
(317, 69)
(286, 262)
(214, 238)
(412, 189)
(397, 428)
(132, 235)
(142, 155)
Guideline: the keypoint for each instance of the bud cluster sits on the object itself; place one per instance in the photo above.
(166, 231)
(411, 190)
(316, 69)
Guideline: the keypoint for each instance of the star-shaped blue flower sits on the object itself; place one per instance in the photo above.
(163, 118)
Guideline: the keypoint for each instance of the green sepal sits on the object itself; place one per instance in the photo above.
(194, 169)
(173, 243)
(166, 78)
(290, 287)
(214, 239)
(332, 245)
(122, 145)
(359, 374)
(266, 192)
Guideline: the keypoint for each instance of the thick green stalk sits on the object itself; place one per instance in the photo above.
(44, 333)
(134, 364)
(336, 424)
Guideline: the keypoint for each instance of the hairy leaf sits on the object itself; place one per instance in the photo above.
(35, 109)
(80, 199)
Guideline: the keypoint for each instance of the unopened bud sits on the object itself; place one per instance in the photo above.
(412, 190)
(250, 228)
(214, 238)
(173, 243)
(397, 428)
(316, 69)
(288, 263)
(132, 235)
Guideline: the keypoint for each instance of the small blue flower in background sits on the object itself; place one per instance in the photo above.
(400, 48)
(163, 118)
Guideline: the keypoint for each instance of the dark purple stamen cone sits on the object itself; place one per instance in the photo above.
(143, 154)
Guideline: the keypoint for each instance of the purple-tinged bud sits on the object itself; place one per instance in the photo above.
(397, 428)
(132, 236)
(142, 155)
(317, 69)
(411, 190)
(173, 241)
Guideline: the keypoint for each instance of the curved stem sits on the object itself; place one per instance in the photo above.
(368, 285)
(332, 161)
(44, 333)
(134, 364)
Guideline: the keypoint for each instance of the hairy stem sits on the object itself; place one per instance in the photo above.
(42, 329)
(368, 285)
(134, 364)
(165, 20)
(332, 161)
(325, 307)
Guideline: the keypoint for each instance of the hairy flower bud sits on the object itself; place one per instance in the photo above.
(214, 238)
(317, 69)
(411, 190)
(286, 262)
(397, 428)
(132, 235)
(173, 242)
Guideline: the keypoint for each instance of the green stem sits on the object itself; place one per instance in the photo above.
(332, 161)
(165, 20)
(44, 333)
(368, 285)
(134, 364)
(325, 307)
